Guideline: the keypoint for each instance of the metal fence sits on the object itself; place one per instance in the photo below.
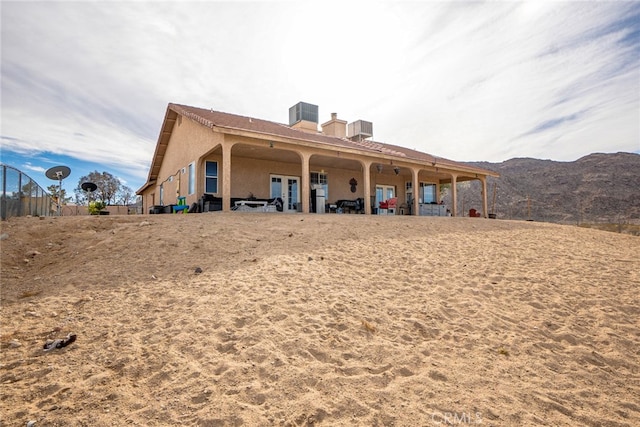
(21, 195)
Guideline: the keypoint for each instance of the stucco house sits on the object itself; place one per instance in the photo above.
(220, 161)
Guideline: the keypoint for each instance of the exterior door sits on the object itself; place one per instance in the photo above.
(384, 192)
(288, 189)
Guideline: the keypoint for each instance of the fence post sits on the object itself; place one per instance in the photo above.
(3, 203)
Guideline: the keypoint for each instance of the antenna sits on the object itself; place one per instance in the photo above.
(58, 173)
(89, 187)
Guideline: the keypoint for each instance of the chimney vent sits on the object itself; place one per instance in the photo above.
(335, 127)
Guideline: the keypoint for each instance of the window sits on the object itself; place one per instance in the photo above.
(211, 177)
(192, 178)
(426, 194)
(319, 179)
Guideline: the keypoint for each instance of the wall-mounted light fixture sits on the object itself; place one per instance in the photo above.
(379, 167)
(270, 144)
(396, 170)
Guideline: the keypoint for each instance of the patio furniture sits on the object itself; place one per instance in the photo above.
(181, 206)
(251, 203)
(356, 205)
(388, 207)
(209, 202)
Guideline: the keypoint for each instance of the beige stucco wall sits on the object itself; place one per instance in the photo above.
(189, 140)
(253, 176)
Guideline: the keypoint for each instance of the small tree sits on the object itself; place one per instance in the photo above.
(106, 192)
(54, 189)
(126, 195)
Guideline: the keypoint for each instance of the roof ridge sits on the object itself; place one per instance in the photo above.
(185, 110)
(211, 110)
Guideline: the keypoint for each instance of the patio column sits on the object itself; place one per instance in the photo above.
(366, 176)
(226, 177)
(483, 180)
(454, 195)
(305, 192)
(415, 186)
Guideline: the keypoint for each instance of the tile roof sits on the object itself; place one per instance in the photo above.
(211, 118)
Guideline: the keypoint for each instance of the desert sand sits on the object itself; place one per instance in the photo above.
(260, 319)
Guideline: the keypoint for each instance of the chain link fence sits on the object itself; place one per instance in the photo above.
(21, 195)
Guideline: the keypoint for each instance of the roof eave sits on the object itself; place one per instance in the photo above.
(168, 123)
(447, 164)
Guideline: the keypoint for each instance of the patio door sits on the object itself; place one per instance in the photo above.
(288, 189)
(384, 192)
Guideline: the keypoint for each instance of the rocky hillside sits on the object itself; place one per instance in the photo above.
(596, 188)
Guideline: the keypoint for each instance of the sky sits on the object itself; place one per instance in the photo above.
(86, 84)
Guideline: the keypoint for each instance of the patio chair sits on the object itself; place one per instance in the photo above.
(391, 205)
(388, 207)
(474, 213)
(278, 203)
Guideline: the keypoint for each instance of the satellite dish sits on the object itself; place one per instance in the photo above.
(89, 186)
(59, 173)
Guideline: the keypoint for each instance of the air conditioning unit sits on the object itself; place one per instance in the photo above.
(359, 130)
(303, 111)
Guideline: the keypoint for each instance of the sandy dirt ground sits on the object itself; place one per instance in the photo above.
(247, 319)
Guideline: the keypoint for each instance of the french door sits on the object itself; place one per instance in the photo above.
(288, 189)
(384, 192)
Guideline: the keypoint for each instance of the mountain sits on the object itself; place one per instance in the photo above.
(595, 188)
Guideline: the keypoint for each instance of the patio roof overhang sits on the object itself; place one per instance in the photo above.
(270, 147)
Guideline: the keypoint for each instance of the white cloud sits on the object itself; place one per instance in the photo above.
(467, 81)
(29, 166)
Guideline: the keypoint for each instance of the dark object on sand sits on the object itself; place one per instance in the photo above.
(53, 344)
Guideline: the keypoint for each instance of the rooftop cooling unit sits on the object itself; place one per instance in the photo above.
(360, 130)
(303, 111)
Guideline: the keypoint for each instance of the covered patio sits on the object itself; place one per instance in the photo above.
(233, 160)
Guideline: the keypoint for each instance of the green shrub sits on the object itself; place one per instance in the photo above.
(95, 207)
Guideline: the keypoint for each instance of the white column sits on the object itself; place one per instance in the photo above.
(366, 193)
(454, 195)
(226, 176)
(415, 190)
(485, 205)
(305, 192)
